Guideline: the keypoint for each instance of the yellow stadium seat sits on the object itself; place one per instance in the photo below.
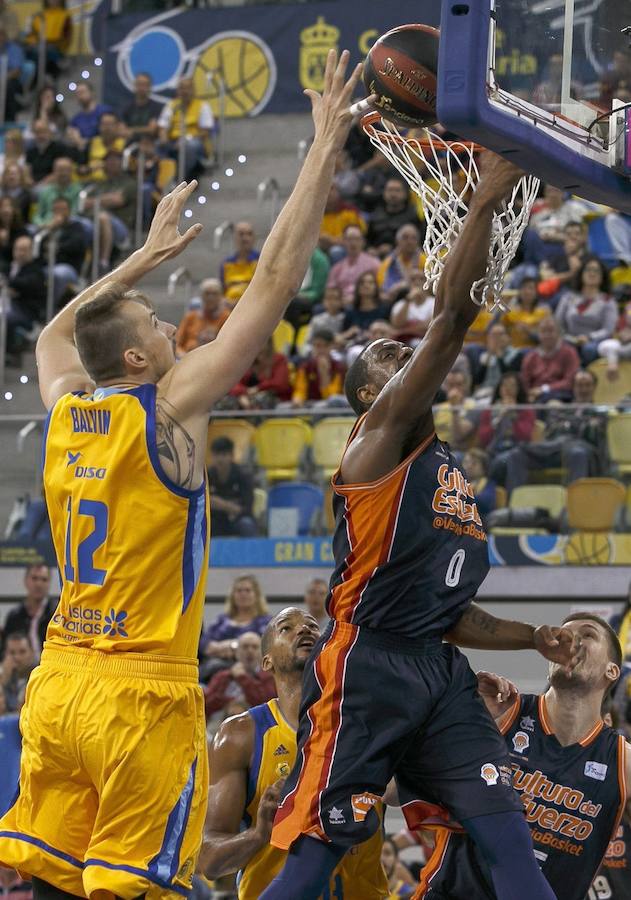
(552, 497)
(501, 497)
(301, 337)
(283, 337)
(611, 391)
(167, 171)
(329, 441)
(619, 441)
(240, 432)
(280, 444)
(593, 504)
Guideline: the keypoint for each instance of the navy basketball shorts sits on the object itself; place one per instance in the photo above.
(376, 705)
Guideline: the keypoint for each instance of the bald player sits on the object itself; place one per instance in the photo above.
(250, 757)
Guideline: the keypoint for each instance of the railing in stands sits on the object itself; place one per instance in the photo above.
(181, 277)
(269, 188)
(128, 153)
(225, 227)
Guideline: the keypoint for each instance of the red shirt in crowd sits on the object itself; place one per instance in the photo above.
(277, 381)
(557, 369)
(256, 689)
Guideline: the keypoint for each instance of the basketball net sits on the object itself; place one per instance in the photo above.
(443, 174)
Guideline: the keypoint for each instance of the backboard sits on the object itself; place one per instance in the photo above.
(537, 80)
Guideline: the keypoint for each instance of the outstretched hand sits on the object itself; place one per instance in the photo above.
(331, 110)
(559, 645)
(498, 176)
(164, 240)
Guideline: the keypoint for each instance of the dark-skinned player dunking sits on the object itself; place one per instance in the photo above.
(385, 696)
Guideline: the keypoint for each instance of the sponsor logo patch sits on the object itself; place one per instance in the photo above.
(281, 750)
(527, 723)
(489, 773)
(521, 741)
(596, 770)
(361, 804)
(336, 816)
(282, 770)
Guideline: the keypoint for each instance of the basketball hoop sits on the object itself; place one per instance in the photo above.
(443, 174)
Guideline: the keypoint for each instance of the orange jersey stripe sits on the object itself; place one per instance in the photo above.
(433, 864)
(299, 813)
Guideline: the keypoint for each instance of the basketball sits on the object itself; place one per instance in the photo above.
(401, 70)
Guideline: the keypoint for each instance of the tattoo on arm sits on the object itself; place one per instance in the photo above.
(475, 617)
(176, 448)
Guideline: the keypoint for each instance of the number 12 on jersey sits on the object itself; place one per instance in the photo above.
(79, 564)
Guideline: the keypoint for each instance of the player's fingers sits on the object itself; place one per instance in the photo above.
(353, 81)
(185, 192)
(329, 70)
(190, 234)
(313, 96)
(339, 75)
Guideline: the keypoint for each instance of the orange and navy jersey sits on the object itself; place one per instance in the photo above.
(131, 545)
(613, 881)
(573, 798)
(410, 550)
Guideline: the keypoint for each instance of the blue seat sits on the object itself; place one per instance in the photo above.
(306, 498)
(10, 752)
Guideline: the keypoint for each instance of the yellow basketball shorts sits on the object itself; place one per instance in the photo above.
(114, 775)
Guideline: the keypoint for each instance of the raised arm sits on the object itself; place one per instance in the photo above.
(225, 848)
(208, 372)
(59, 367)
(408, 397)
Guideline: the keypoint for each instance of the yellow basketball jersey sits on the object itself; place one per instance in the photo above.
(131, 545)
(360, 875)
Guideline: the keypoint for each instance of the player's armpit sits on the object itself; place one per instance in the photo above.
(224, 848)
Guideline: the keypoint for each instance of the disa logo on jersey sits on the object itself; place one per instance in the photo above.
(84, 471)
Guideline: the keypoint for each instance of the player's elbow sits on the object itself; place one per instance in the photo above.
(211, 862)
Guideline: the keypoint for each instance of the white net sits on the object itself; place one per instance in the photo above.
(444, 174)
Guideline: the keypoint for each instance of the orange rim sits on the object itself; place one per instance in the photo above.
(371, 120)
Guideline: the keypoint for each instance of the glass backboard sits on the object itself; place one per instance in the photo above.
(540, 81)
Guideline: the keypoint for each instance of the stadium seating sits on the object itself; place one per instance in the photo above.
(611, 391)
(240, 432)
(329, 440)
(305, 498)
(619, 442)
(283, 338)
(280, 447)
(550, 497)
(594, 504)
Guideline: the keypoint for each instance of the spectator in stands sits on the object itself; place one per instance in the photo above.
(394, 211)
(476, 465)
(588, 315)
(17, 664)
(62, 184)
(347, 179)
(48, 109)
(504, 426)
(27, 292)
(72, 246)
(397, 886)
(14, 151)
(232, 493)
(246, 610)
(411, 315)
(201, 326)
(140, 116)
(574, 439)
(395, 270)
(265, 384)
(320, 377)
(338, 215)
(33, 614)
(43, 152)
(345, 273)
(573, 254)
(10, 21)
(332, 319)
(56, 22)
(456, 419)
(550, 216)
(367, 308)
(84, 125)
(237, 270)
(117, 197)
(14, 56)
(299, 311)
(524, 315)
(193, 118)
(618, 347)
(548, 371)
(244, 682)
(497, 358)
(107, 140)
(316, 592)
(11, 228)
(153, 175)
(15, 184)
